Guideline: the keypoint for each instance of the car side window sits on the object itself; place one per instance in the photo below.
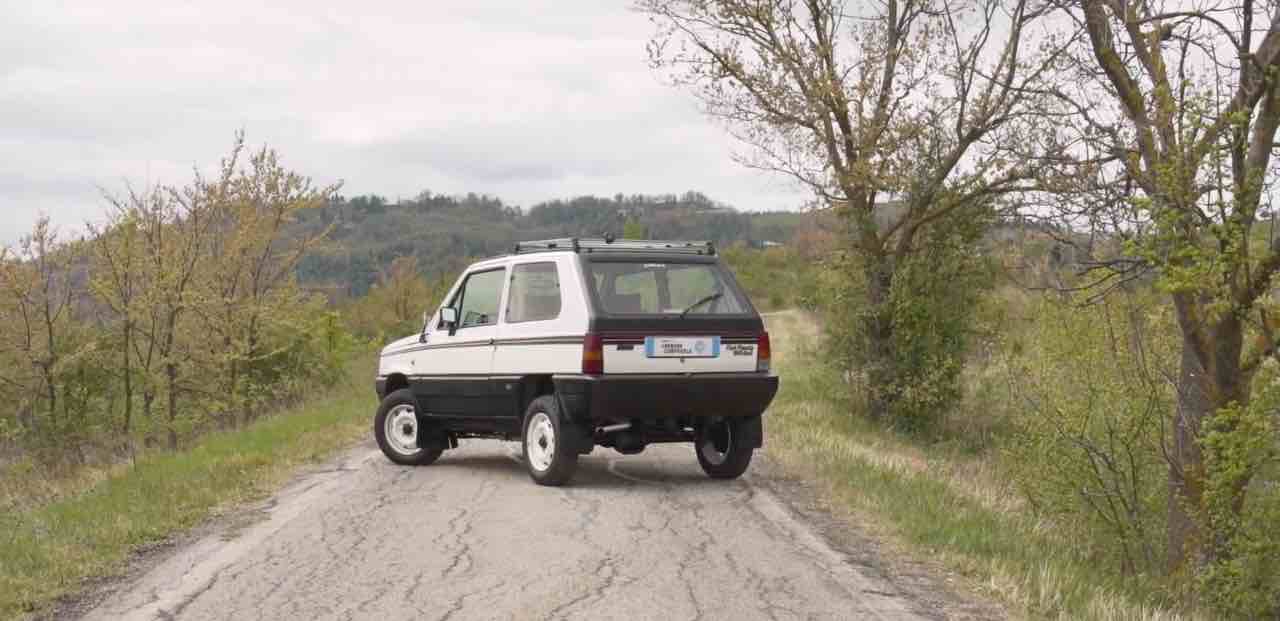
(534, 294)
(477, 300)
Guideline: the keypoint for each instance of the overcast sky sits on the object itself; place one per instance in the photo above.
(524, 100)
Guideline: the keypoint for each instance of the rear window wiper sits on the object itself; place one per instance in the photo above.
(711, 298)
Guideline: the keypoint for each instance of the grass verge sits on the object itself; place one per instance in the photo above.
(938, 504)
(51, 550)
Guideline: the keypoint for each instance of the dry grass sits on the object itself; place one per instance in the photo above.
(26, 484)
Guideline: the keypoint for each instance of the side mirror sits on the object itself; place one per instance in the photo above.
(449, 315)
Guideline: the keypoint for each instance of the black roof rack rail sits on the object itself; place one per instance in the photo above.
(608, 244)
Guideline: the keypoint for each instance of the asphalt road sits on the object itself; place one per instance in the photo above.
(471, 537)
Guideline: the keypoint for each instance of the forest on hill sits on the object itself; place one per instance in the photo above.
(442, 232)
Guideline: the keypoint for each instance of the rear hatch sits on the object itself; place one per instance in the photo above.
(671, 314)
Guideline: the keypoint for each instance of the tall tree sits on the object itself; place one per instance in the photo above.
(1184, 100)
(37, 297)
(115, 262)
(920, 102)
(174, 231)
(250, 285)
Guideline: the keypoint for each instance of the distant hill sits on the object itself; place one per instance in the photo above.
(445, 232)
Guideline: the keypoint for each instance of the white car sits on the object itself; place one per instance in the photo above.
(568, 344)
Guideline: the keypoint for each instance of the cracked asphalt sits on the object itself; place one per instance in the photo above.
(471, 537)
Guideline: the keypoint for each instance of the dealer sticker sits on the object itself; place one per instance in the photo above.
(682, 346)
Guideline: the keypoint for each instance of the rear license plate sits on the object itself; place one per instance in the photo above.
(682, 346)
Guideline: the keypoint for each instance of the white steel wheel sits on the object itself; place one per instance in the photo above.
(540, 442)
(550, 451)
(402, 430)
(401, 435)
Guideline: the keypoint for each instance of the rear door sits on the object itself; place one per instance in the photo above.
(672, 315)
(541, 328)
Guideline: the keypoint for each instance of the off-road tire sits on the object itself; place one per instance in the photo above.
(554, 458)
(400, 403)
(735, 457)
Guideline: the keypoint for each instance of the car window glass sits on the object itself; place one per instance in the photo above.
(478, 304)
(690, 284)
(535, 293)
(635, 292)
(663, 288)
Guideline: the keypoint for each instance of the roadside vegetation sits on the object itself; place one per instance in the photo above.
(1042, 474)
(1134, 408)
(86, 526)
(162, 368)
(179, 315)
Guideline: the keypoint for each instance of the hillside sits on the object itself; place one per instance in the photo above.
(443, 232)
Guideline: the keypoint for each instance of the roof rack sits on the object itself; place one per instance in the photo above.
(609, 244)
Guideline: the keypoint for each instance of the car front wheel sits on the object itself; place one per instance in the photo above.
(400, 433)
(721, 453)
(549, 452)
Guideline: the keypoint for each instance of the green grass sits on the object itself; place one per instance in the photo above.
(937, 503)
(51, 550)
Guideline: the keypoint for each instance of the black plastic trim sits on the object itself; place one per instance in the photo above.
(605, 399)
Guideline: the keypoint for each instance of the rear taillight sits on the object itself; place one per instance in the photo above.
(763, 352)
(593, 355)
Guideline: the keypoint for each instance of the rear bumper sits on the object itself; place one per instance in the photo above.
(608, 399)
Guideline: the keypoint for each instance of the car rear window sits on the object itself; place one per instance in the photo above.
(663, 288)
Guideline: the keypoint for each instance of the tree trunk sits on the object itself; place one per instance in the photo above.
(246, 401)
(1186, 464)
(1193, 543)
(128, 382)
(51, 393)
(881, 370)
(171, 373)
(148, 398)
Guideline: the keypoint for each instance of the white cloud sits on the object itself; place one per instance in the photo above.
(524, 100)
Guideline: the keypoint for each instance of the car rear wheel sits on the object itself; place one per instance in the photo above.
(721, 453)
(549, 452)
(400, 433)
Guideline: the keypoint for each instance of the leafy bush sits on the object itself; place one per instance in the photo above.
(775, 278)
(394, 306)
(933, 307)
(1087, 452)
(1243, 577)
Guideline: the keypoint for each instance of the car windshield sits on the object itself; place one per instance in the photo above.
(663, 288)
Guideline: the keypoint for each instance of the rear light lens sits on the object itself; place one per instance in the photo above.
(764, 353)
(593, 355)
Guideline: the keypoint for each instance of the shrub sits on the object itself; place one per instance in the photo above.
(1243, 576)
(933, 304)
(1087, 451)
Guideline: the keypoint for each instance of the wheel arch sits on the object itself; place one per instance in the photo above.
(532, 387)
(394, 382)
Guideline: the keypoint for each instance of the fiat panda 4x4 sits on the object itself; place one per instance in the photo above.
(569, 344)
